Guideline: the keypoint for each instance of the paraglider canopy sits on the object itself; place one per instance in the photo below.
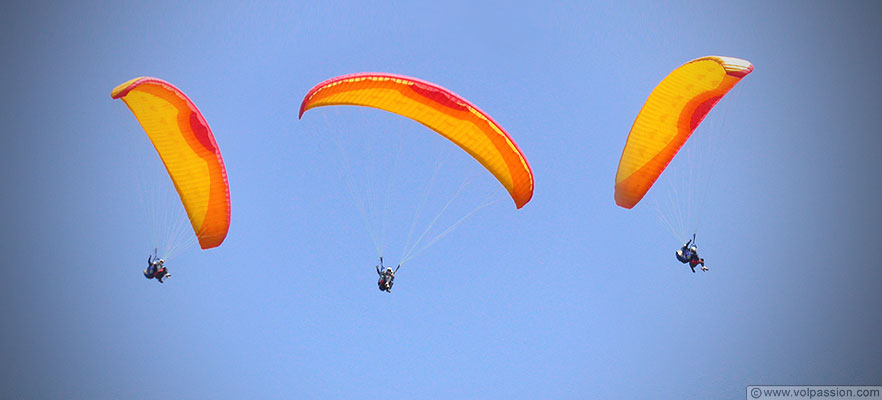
(671, 113)
(187, 149)
(440, 110)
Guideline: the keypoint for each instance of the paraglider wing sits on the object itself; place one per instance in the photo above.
(671, 113)
(441, 111)
(187, 149)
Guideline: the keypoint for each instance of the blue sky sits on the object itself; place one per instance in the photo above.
(569, 297)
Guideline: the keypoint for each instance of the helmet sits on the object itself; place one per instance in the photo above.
(693, 249)
(388, 270)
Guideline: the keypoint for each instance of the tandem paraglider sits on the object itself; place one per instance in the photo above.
(443, 112)
(156, 268)
(670, 115)
(192, 158)
(387, 276)
(689, 255)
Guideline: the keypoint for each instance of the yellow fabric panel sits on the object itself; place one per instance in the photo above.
(457, 130)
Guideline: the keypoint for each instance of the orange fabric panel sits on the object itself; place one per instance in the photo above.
(440, 110)
(188, 150)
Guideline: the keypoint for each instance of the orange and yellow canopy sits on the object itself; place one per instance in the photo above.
(188, 149)
(440, 110)
(671, 113)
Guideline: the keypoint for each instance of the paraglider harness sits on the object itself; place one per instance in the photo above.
(156, 268)
(687, 255)
(387, 276)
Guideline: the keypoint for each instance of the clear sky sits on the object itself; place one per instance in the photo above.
(569, 297)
